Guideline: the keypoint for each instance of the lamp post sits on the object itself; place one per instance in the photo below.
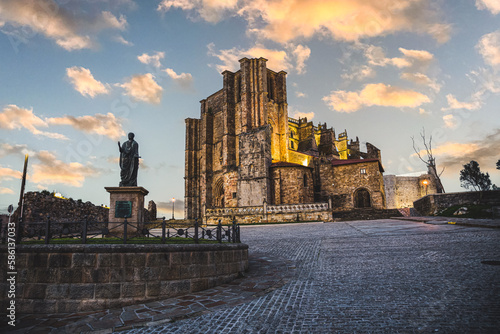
(173, 206)
(425, 183)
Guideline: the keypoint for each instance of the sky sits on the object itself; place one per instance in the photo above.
(77, 76)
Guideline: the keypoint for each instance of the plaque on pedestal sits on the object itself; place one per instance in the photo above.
(126, 203)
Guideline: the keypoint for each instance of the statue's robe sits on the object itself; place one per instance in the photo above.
(129, 163)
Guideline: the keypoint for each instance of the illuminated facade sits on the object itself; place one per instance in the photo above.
(245, 151)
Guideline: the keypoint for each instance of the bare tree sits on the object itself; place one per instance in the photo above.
(431, 161)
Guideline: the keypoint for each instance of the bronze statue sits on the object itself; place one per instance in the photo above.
(129, 162)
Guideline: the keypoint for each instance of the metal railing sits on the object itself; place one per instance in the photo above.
(126, 232)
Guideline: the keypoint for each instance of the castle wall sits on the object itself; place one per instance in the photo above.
(402, 191)
(292, 185)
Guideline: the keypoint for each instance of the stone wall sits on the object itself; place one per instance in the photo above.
(38, 205)
(269, 214)
(78, 278)
(402, 191)
(432, 204)
(292, 184)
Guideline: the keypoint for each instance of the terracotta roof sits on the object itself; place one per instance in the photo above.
(287, 164)
(356, 161)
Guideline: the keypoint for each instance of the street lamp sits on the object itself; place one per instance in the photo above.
(425, 183)
(173, 205)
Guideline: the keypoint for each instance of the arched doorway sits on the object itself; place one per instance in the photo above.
(218, 194)
(362, 198)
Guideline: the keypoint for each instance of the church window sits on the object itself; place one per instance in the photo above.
(362, 170)
(234, 195)
(291, 145)
(305, 180)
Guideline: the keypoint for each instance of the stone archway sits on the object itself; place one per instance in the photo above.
(218, 193)
(362, 198)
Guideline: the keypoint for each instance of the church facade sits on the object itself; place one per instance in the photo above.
(244, 151)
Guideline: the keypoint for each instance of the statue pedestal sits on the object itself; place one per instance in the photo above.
(126, 203)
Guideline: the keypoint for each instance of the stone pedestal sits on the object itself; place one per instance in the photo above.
(126, 203)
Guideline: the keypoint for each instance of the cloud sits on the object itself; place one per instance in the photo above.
(106, 125)
(489, 48)
(184, 79)
(17, 149)
(374, 94)
(300, 94)
(348, 20)
(9, 174)
(492, 5)
(4, 190)
(209, 10)
(13, 117)
(83, 81)
(453, 103)
(360, 73)
(298, 114)
(411, 58)
(450, 121)
(49, 170)
(453, 155)
(153, 60)
(70, 30)
(292, 58)
(143, 88)
(122, 40)
(421, 79)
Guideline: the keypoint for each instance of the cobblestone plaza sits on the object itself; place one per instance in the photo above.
(385, 276)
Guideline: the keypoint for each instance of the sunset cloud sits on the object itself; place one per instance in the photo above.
(421, 79)
(8, 149)
(83, 81)
(13, 117)
(283, 21)
(374, 94)
(143, 88)
(49, 171)
(492, 5)
(360, 73)
(153, 60)
(106, 125)
(69, 29)
(184, 79)
(453, 103)
(450, 121)
(454, 155)
(489, 48)
(293, 57)
(9, 174)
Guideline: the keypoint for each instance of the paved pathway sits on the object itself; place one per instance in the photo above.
(384, 276)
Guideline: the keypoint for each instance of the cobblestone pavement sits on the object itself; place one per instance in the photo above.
(384, 276)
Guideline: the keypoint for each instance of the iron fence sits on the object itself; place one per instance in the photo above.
(126, 232)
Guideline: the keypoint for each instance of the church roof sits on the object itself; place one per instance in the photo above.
(356, 161)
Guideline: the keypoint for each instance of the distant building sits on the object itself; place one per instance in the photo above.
(244, 151)
(402, 190)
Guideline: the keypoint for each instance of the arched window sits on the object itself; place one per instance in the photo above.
(362, 198)
(218, 194)
(292, 145)
(305, 180)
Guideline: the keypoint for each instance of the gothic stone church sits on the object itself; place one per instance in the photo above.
(244, 151)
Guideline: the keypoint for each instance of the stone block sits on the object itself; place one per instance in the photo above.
(84, 260)
(68, 306)
(207, 270)
(158, 260)
(190, 271)
(57, 260)
(35, 291)
(175, 288)
(92, 305)
(117, 275)
(135, 260)
(107, 291)
(109, 260)
(81, 291)
(134, 290)
(199, 284)
(46, 275)
(153, 289)
(57, 291)
(40, 259)
(170, 273)
(70, 275)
